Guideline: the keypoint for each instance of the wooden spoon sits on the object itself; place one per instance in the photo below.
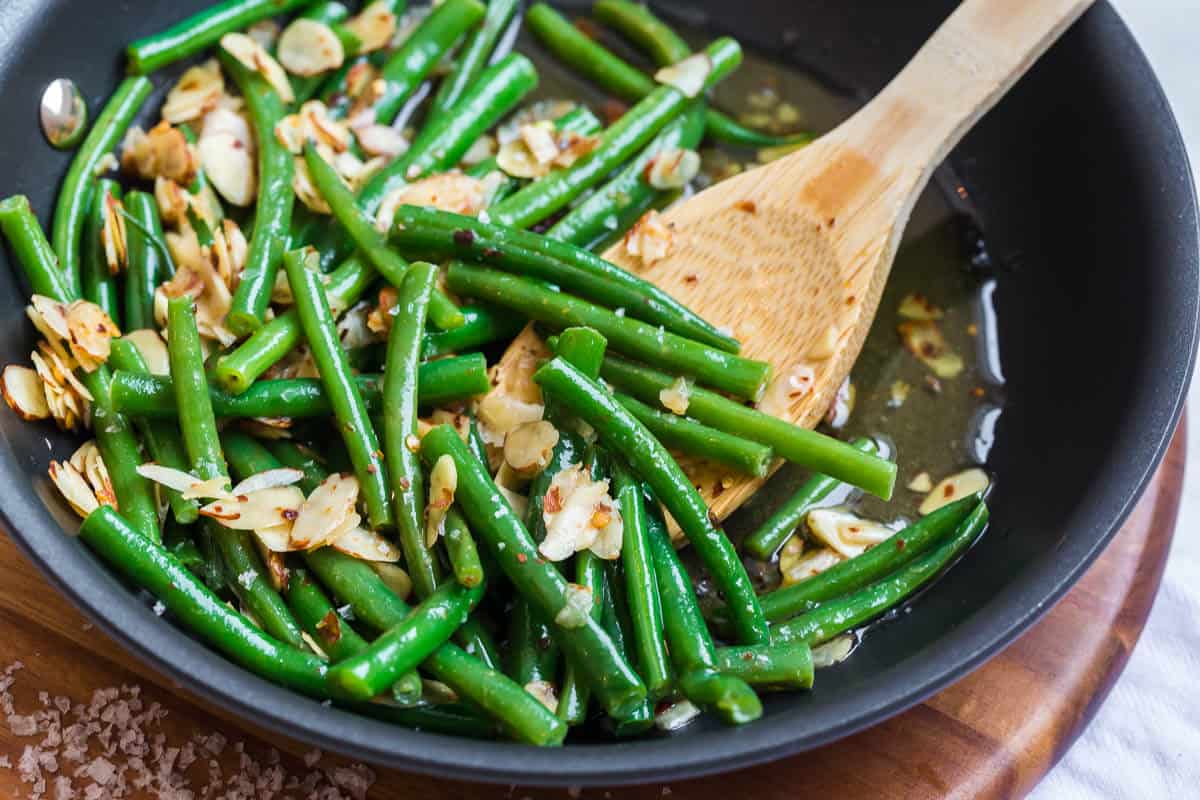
(793, 256)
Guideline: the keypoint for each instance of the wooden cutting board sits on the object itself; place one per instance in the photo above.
(960, 743)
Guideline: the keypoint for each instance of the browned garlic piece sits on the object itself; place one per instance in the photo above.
(688, 75)
(650, 239)
(308, 47)
(529, 446)
(796, 564)
(924, 340)
(253, 56)
(374, 26)
(845, 532)
(676, 397)
(443, 483)
(499, 414)
(163, 151)
(580, 515)
(539, 148)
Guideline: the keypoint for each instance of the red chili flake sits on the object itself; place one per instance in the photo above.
(330, 626)
(749, 206)
(901, 544)
(491, 252)
(691, 280)
(405, 484)
(978, 391)
(717, 489)
(587, 28)
(613, 110)
(522, 558)
(290, 514)
(948, 491)
(831, 221)
(747, 656)
(850, 300)
(372, 469)
(464, 237)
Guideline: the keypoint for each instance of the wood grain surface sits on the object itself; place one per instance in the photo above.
(992, 735)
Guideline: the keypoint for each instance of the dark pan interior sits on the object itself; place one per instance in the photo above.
(1080, 181)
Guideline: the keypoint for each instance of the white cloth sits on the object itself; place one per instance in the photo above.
(1145, 741)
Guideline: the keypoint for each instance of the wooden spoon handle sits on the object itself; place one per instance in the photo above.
(977, 54)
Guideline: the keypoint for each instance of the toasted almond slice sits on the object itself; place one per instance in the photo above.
(673, 169)
(227, 152)
(518, 502)
(262, 509)
(92, 331)
(112, 234)
(374, 26)
(452, 191)
(955, 488)
(545, 693)
(96, 473)
(308, 47)
(213, 487)
(367, 545)
(276, 538)
(443, 483)
(254, 57)
(24, 393)
(195, 94)
(529, 446)
(274, 564)
(271, 479)
(517, 160)
(688, 75)
(835, 651)
(74, 488)
(306, 190)
(847, 533)
(265, 32)
(325, 511)
(539, 139)
(54, 316)
(499, 414)
(650, 238)
(381, 140)
(481, 150)
(395, 577)
(676, 715)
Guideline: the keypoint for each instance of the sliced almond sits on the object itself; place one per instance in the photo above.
(88, 462)
(611, 533)
(381, 140)
(833, 652)
(953, 488)
(374, 26)
(308, 47)
(254, 57)
(92, 332)
(921, 482)
(306, 189)
(366, 545)
(196, 93)
(676, 397)
(74, 488)
(529, 446)
(265, 32)
(325, 511)
(164, 150)
(227, 153)
(24, 393)
(796, 566)
(516, 159)
(539, 139)
(53, 318)
(845, 532)
(274, 565)
(499, 414)
(518, 502)
(443, 483)
(395, 577)
(689, 75)
(270, 479)
(481, 150)
(112, 235)
(545, 693)
(673, 169)
(263, 509)
(276, 538)
(451, 191)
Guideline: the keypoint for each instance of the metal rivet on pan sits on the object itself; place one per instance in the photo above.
(64, 113)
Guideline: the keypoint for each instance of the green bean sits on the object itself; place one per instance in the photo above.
(461, 551)
(773, 534)
(482, 325)
(521, 715)
(664, 46)
(249, 457)
(773, 666)
(76, 191)
(445, 235)
(354, 423)
(438, 382)
(472, 58)
(99, 284)
(691, 645)
(442, 145)
(292, 454)
(242, 565)
(420, 53)
(149, 262)
(202, 29)
(162, 439)
(689, 436)
(723, 371)
(851, 610)
(618, 204)
(177, 540)
(330, 14)
(575, 694)
(404, 645)
(613, 681)
(33, 252)
(475, 638)
(641, 587)
(822, 454)
(319, 618)
(622, 433)
(400, 426)
(371, 243)
(730, 697)
(450, 720)
(273, 209)
(873, 565)
(532, 653)
(619, 624)
(617, 145)
(237, 371)
(148, 565)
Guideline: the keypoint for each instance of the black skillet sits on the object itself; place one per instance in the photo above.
(1082, 184)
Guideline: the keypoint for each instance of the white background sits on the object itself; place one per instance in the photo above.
(1145, 742)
